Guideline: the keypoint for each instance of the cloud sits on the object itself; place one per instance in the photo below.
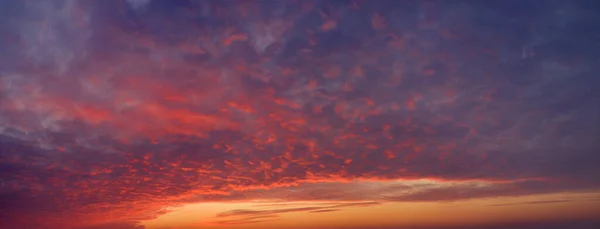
(402, 191)
(52, 34)
(324, 210)
(247, 220)
(555, 224)
(108, 115)
(137, 4)
(287, 210)
(546, 202)
(245, 216)
(123, 225)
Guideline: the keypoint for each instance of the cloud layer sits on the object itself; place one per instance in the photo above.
(244, 216)
(111, 111)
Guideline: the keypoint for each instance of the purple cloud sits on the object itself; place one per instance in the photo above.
(110, 114)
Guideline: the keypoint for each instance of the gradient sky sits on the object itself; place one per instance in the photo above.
(181, 114)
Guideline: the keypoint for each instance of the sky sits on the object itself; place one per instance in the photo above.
(299, 114)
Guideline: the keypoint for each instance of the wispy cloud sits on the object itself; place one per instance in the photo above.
(240, 212)
(324, 210)
(545, 202)
(248, 219)
(251, 216)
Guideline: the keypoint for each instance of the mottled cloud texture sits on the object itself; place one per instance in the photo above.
(112, 111)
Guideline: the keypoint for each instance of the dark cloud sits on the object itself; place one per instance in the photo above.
(123, 225)
(556, 224)
(242, 212)
(247, 220)
(407, 191)
(254, 216)
(546, 202)
(112, 111)
(324, 210)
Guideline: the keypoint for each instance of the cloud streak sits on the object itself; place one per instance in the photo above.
(254, 216)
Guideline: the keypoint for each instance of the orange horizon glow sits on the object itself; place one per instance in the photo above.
(540, 207)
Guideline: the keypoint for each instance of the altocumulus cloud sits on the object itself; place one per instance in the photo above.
(113, 111)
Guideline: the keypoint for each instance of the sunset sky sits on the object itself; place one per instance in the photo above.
(299, 114)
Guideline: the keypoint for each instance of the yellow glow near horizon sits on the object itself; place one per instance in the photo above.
(463, 212)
